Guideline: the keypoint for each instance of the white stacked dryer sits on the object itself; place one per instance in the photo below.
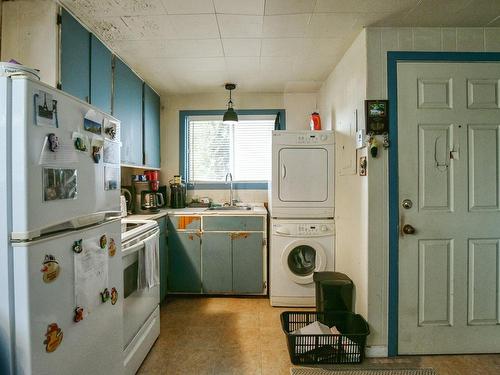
(301, 202)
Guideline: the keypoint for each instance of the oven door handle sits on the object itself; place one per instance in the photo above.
(132, 249)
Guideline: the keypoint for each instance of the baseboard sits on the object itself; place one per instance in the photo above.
(376, 351)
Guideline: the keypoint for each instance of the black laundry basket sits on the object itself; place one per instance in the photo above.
(348, 347)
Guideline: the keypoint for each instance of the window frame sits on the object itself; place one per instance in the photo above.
(183, 146)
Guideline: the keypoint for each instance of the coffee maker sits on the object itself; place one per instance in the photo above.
(147, 198)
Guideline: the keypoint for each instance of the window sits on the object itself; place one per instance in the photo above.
(213, 149)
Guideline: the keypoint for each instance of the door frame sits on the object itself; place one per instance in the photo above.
(393, 59)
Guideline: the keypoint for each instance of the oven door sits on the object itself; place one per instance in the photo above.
(138, 304)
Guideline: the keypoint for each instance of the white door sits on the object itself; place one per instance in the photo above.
(449, 164)
(303, 175)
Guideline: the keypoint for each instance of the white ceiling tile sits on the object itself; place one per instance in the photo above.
(332, 25)
(193, 48)
(368, 6)
(243, 64)
(195, 26)
(107, 8)
(187, 65)
(241, 47)
(274, 7)
(313, 68)
(288, 26)
(188, 6)
(286, 47)
(112, 28)
(150, 48)
(254, 7)
(303, 86)
(277, 66)
(240, 26)
(322, 46)
(149, 27)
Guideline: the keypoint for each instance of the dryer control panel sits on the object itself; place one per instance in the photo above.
(309, 138)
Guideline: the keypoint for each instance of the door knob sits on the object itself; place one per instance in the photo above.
(408, 229)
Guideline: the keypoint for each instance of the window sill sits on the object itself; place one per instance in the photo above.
(225, 186)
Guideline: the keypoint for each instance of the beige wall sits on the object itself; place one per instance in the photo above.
(341, 95)
(29, 35)
(298, 108)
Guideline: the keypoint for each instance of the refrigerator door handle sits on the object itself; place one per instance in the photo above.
(75, 223)
(94, 218)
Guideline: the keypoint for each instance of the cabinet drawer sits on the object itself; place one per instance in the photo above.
(184, 222)
(233, 223)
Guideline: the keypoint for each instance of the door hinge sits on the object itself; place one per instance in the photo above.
(264, 285)
(59, 19)
(59, 86)
(264, 242)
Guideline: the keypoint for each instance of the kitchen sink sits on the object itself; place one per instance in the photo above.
(230, 208)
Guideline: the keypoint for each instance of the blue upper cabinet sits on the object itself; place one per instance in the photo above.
(151, 128)
(127, 107)
(101, 75)
(75, 57)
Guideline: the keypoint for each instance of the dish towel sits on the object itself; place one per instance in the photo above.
(148, 274)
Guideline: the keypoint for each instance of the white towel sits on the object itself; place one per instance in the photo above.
(148, 274)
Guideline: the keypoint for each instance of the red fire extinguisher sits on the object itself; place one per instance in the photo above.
(315, 121)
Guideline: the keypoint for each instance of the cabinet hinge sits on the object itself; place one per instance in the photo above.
(264, 285)
(264, 242)
(59, 19)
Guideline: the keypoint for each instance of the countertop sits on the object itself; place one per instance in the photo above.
(256, 210)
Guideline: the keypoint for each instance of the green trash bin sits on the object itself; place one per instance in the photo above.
(333, 291)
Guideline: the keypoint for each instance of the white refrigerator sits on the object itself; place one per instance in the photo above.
(61, 278)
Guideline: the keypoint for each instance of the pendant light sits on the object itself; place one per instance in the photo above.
(230, 116)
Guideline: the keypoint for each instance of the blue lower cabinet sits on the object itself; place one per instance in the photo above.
(217, 268)
(184, 262)
(247, 262)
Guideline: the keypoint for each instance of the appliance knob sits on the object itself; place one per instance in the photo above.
(324, 228)
(323, 137)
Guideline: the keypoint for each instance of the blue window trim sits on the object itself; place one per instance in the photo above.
(393, 58)
(183, 146)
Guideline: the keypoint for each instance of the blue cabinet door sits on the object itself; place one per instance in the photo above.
(217, 264)
(151, 128)
(248, 262)
(101, 75)
(75, 57)
(127, 107)
(184, 261)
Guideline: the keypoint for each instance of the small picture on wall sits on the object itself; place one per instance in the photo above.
(377, 119)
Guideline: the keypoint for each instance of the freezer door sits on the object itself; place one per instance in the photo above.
(55, 178)
(48, 340)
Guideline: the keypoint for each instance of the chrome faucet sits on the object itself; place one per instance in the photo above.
(230, 177)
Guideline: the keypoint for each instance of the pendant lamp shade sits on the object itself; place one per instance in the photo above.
(230, 116)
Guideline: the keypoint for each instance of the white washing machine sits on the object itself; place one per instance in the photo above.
(298, 248)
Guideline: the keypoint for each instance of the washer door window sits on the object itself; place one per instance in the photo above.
(301, 259)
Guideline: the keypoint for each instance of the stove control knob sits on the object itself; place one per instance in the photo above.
(323, 137)
(324, 228)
